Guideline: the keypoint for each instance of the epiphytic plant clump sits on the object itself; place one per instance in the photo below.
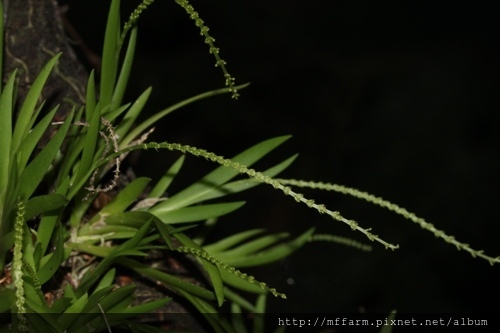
(66, 227)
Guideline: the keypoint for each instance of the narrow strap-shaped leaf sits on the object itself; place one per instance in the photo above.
(239, 283)
(68, 317)
(107, 280)
(91, 138)
(34, 297)
(127, 248)
(251, 247)
(169, 280)
(35, 171)
(107, 301)
(219, 176)
(37, 319)
(231, 240)
(260, 305)
(110, 54)
(218, 323)
(124, 198)
(56, 258)
(147, 307)
(131, 219)
(44, 203)
(272, 254)
(33, 139)
(48, 222)
(212, 269)
(216, 279)
(121, 84)
(60, 305)
(90, 101)
(115, 112)
(1, 40)
(389, 319)
(164, 232)
(5, 131)
(161, 186)
(197, 213)
(238, 300)
(25, 114)
(244, 184)
(131, 116)
(157, 116)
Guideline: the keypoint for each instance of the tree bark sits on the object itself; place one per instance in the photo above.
(34, 33)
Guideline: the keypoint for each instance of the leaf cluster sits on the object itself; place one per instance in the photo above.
(50, 221)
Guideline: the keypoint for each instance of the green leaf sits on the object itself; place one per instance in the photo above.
(68, 317)
(164, 232)
(56, 258)
(244, 184)
(237, 319)
(121, 84)
(260, 305)
(25, 114)
(69, 292)
(110, 54)
(157, 116)
(124, 199)
(147, 307)
(6, 100)
(197, 213)
(37, 320)
(196, 192)
(72, 154)
(89, 148)
(230, 241)
(8, 297)
(115, 113)
(28, 248)
(169, 280)
(37, 255)
(107, 232)
(214, 273)
(34, 298)
(240, 283)
(35, 171)
(90, 101)
(110, 299)
(49, 220)
(251, 247)
(60, 305)
(1, 41)
(44, 203)
(131, 117)
(210, 267)
(388, 328)
(161, 186)
(272, 254)
(142, 328)
(216, 320)
(33, 139)
(133, 219)
(125, 249)
(95, 250)
(107, 280)
(78, 306)
(96, 297)
(237, 299)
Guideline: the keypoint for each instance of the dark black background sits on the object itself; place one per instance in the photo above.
(398, 98)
